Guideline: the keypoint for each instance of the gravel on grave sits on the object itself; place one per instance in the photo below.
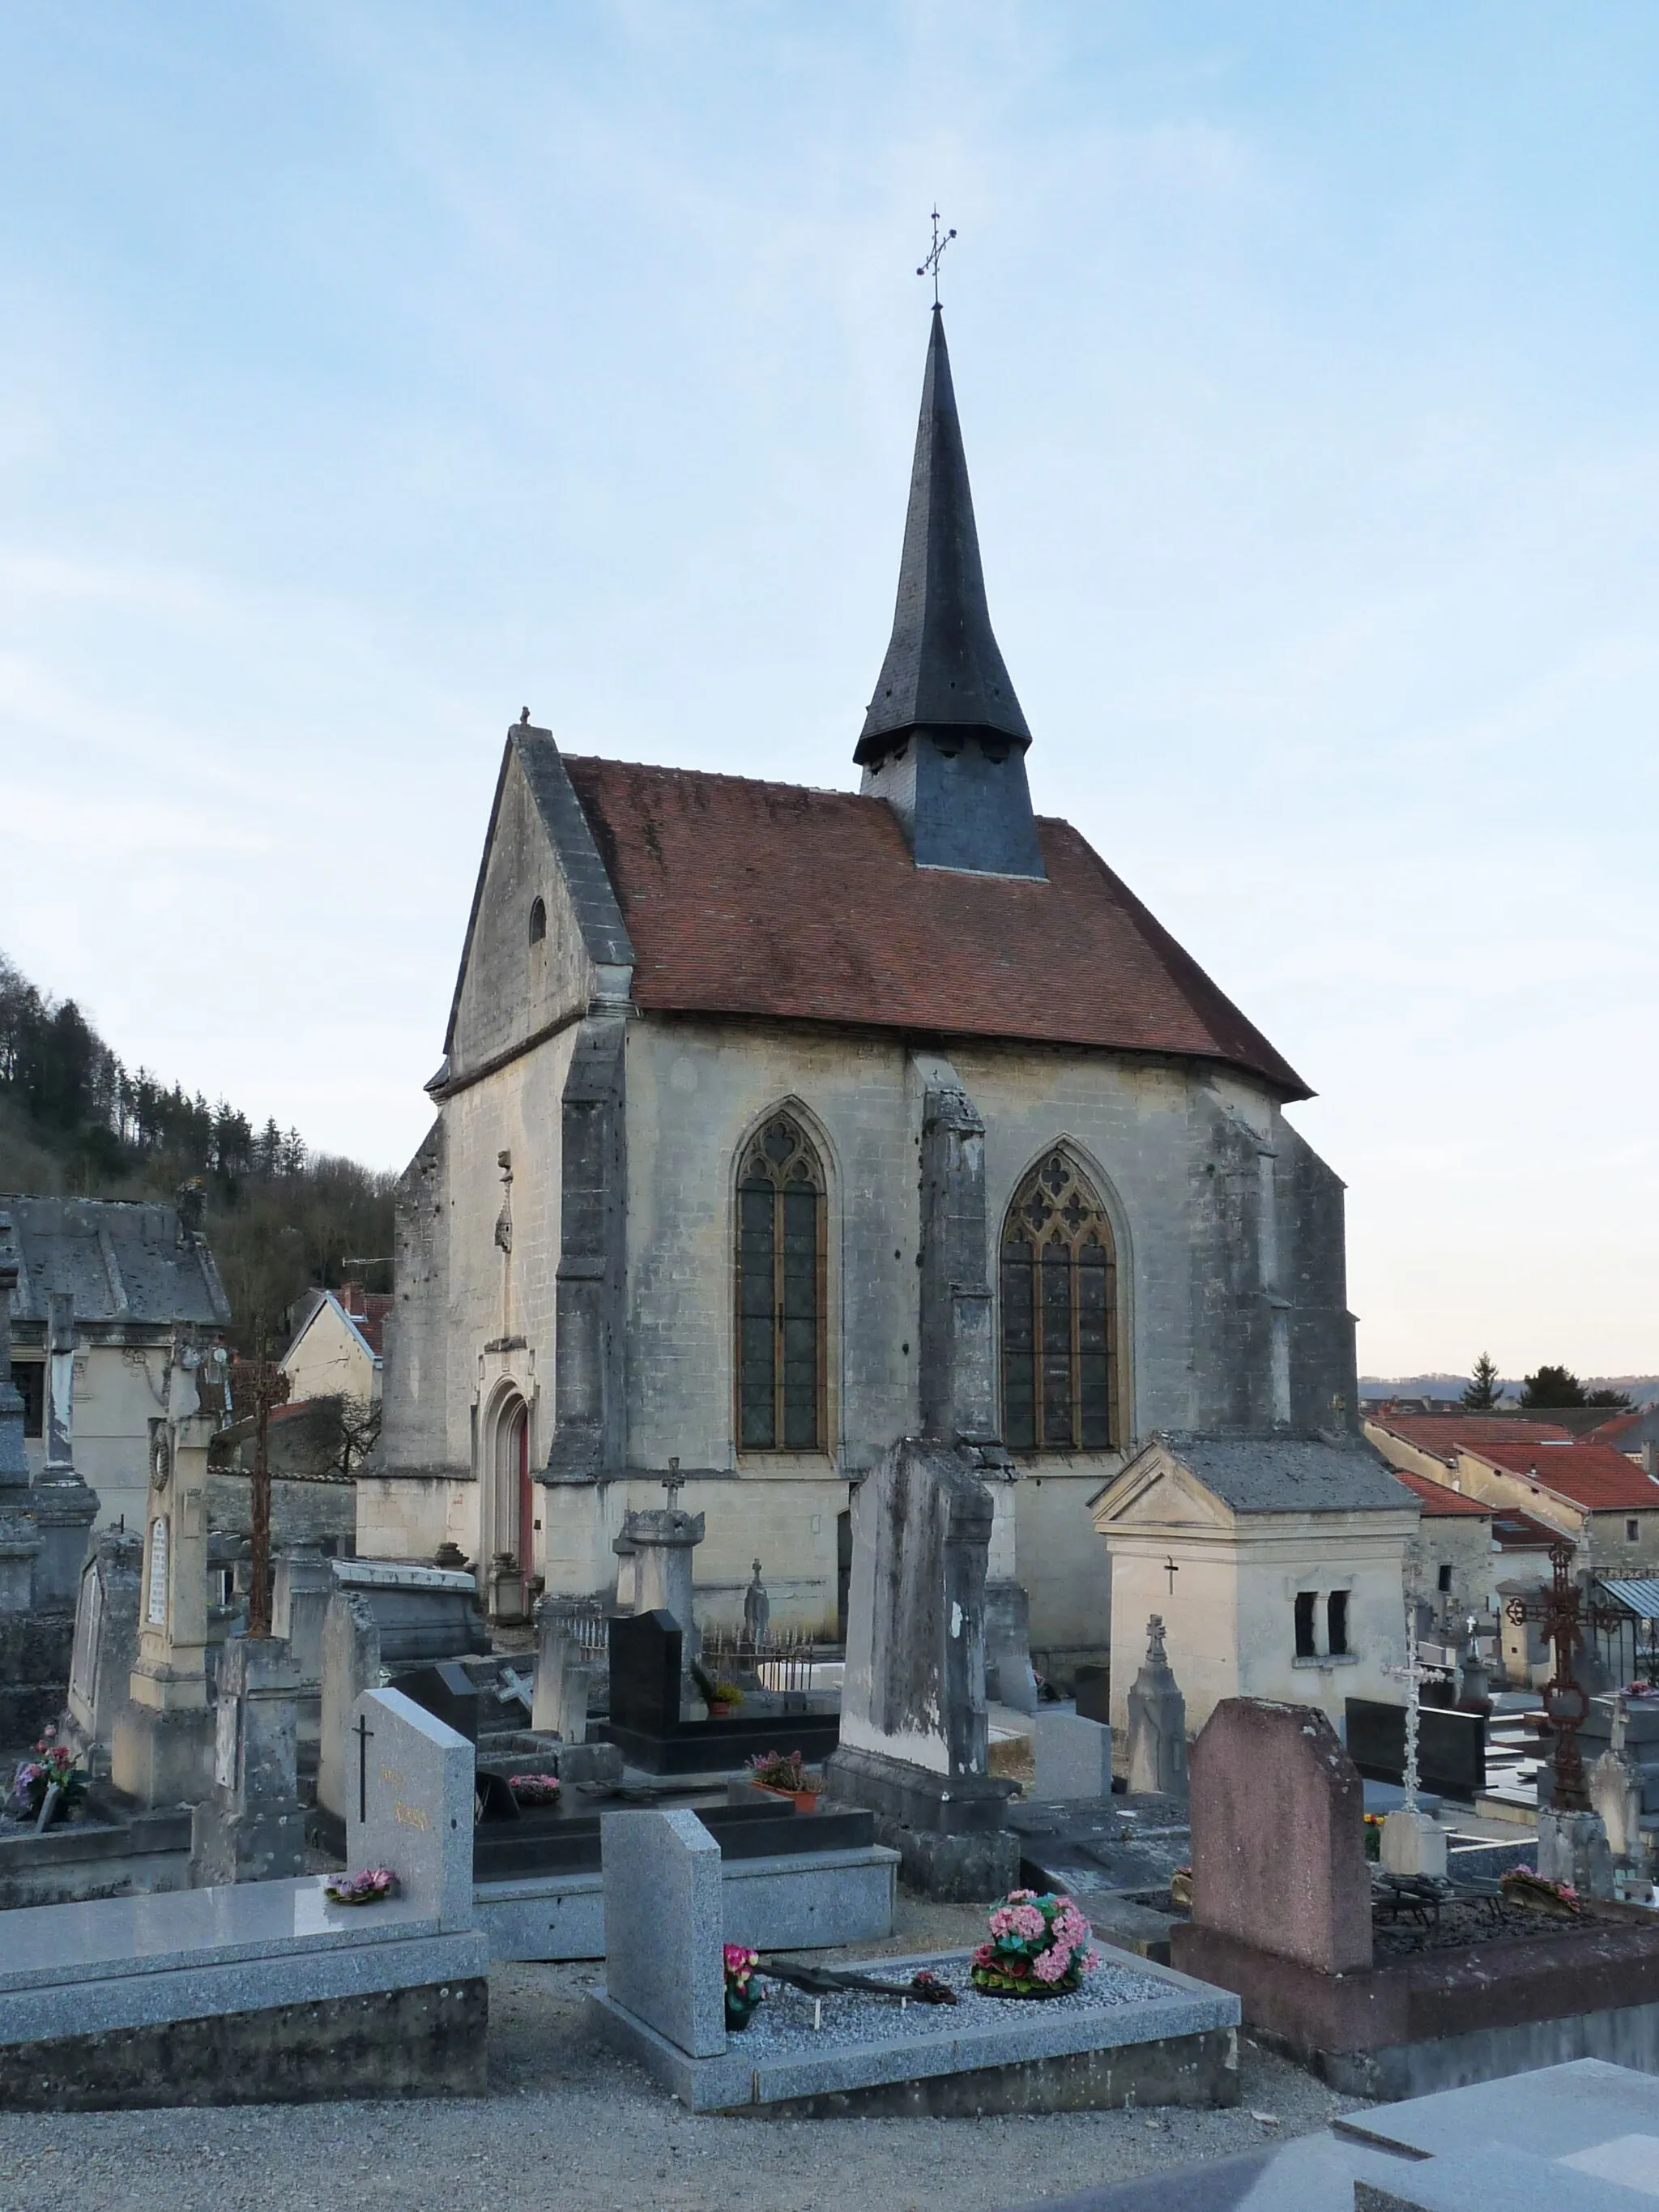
(566, 2123)
(783, 2022)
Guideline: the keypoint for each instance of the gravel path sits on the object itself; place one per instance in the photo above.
(567, 2124)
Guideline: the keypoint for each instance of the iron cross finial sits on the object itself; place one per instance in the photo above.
(935, 254)
(673, 1482)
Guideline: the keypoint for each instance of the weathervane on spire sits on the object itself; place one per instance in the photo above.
(935, 255)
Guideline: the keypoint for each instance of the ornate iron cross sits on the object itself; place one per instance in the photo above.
(673, 1482)
(257, 1386)
(935, 254)
(1563, 1615)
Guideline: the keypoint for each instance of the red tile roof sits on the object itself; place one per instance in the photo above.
(1438, 1501)
(764, 899)
(1514, 1531)
(1594, 1476)
(1447, 1434)
(1611, 1433)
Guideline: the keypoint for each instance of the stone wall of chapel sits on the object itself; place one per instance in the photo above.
(1191, 1164)
(456, 1291)
(695, 1090)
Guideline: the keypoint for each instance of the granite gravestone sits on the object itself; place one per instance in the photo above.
(301, 1587)
(1278, 1830)
(559, 1699)
(65, 1507)
(1158, 1723)
(409, 1806)
(664, 1927)
(914, 1729)
(1072, 1757)
(1451, 1746)
(105, 1642)
(252, 1827)
(25, 1702)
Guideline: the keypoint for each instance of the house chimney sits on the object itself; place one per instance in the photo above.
(351, 1298)
(1650, 1459)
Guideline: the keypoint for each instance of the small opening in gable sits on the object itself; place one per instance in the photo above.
(537, 920)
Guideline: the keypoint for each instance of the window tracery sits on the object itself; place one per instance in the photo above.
(1059, 1283)
(781, 1297)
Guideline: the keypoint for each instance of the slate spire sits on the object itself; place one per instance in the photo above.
(944, 739)
(943, 666)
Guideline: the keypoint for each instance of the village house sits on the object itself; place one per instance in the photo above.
(1604, 1504)
(335, 1349)
(759, 1104)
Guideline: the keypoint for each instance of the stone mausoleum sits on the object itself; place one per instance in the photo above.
(765, 1114)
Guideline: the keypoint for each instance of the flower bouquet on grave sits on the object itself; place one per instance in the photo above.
(1373, 1835)
(1525, 1885)
(52, 1768)
(534, 1789)
(742, 1991)
(720, 1697)
(784, 1774)
(373, 1886)
(1039, 1948)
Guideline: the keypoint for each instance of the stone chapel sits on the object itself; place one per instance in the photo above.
(774, 1125)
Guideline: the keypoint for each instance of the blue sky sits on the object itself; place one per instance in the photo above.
(369, 372)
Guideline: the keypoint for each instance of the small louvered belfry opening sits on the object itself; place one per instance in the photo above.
(780, 1301)
(1059, 1316)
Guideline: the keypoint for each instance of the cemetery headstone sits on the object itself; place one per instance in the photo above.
(645, 1672)
(161, 1749)
(914, 1733)
(1158, 1722)
(664, 1927)
(301, 1587)
(351, 1664)
(252, 1827)
(105, 1641)
(1278, 1835)
(410, 1803)
(662, 1541)
(559, 1700)
(21, 1707)
(1573, 1848)
(65, 1506)
(1072, 1757)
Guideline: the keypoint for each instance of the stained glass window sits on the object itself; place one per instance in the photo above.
(1059, 1316)
(781, 1305)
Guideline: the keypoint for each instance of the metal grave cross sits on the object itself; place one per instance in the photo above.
(1563, 1615)
(257, 1387)
(362, 1732)
(673, 1482)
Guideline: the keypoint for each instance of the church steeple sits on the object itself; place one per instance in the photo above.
(944, 739)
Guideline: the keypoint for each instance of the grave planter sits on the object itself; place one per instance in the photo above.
(804, 1800)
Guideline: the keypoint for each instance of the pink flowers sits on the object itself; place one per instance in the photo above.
(368, 1887)
(1039, 1946)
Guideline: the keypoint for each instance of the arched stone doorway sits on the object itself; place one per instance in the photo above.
(512, 1546)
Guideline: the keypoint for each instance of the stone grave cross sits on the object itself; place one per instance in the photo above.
(1414, 1671)
(673, 1482)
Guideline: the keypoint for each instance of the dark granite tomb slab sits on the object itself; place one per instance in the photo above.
(645, 1705)
(1451, 1747)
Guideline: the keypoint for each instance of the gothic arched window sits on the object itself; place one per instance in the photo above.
(1059, 1316)
(781, 1303)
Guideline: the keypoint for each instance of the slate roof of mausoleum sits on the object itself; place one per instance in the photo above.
(769, 900)
(1289, 1474)
(123, 1264)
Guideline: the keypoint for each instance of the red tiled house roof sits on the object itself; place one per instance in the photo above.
(768, 900)
(1440, 1501)
(1444, 1435)
(1594, 1477)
